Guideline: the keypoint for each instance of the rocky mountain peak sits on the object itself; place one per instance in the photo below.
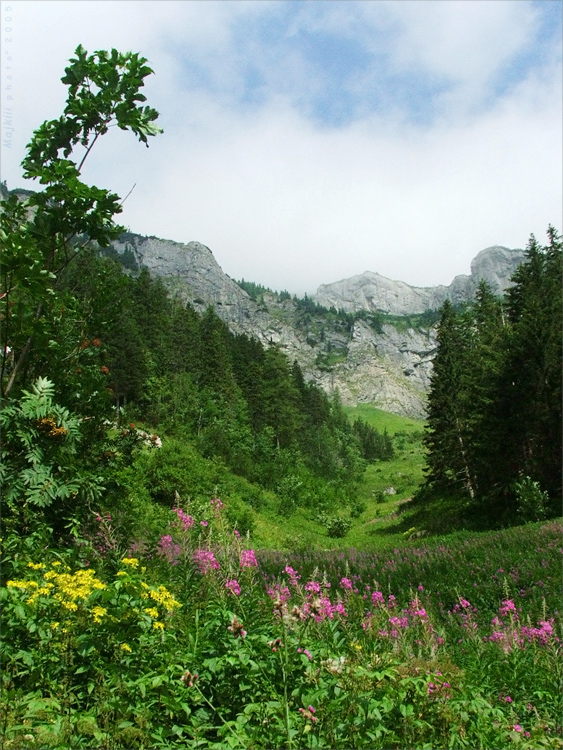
(368, 360)
(376, 293)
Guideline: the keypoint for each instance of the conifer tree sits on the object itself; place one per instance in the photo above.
(447, 436)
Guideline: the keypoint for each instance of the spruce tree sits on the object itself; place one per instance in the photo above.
(447, 436)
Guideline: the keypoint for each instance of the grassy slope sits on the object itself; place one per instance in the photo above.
(378, 526)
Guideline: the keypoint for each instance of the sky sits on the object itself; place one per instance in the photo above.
(307, 141)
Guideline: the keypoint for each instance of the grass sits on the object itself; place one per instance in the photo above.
(383, 420)
(379, 524)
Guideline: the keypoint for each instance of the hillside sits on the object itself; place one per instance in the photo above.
(380, 352)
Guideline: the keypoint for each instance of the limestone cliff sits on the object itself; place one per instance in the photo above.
(368, 362)
(370, 291)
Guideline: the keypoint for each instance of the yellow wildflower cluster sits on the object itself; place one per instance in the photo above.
(70, 590)
(164, 597)
(98, 613)
(69, 587)
(126, 647)
(73, 587)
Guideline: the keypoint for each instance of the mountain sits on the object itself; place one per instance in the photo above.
(370, 291)
(369, 357)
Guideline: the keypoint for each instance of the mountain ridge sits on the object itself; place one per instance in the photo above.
(367, 359)
(372, 291)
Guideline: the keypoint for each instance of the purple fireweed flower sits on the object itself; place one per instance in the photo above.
(187, 521)
(508, 606)
(377, 598)
(277, 591)
(306, 652)
(517, 728)
(167, 548)
(205, 560)
(217, 505)
(293, 576)
(400, 622)
(346, 583)
(204, 523)
(313, 586)
(233, 587)
(248, 559)
(421, 587)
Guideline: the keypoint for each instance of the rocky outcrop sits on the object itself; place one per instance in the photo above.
(387, 366)
(371, 291)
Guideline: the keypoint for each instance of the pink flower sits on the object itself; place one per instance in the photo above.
(517, 728)
(345, 583)
(306, 652)
(217, 505)
(187, 521)
(377, 598)
(205, 560)
(248, 559)
(421, 587)
(204, 523)
(167, 548)
(400, 622)
(313, 586)
(293, 577)
(233, 587)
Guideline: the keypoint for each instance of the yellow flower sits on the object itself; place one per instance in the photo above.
(55, 564)
(121, 573)
(22, 585)
(152, 611)
(132, 561)
(98, 613)
(36, 566)
(164, 597)
(125, 647)
(55, 625)
(158, 625)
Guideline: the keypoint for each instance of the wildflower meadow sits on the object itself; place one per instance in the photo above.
(434, 646)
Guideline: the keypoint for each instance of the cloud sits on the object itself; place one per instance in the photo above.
(308, 142)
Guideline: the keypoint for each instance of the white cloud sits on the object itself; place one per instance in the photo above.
(282, 200)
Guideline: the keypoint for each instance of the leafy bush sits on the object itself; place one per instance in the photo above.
(336, 526)
(531, 501)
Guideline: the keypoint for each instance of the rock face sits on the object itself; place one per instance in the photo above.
(387, 366)
(370, 291)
